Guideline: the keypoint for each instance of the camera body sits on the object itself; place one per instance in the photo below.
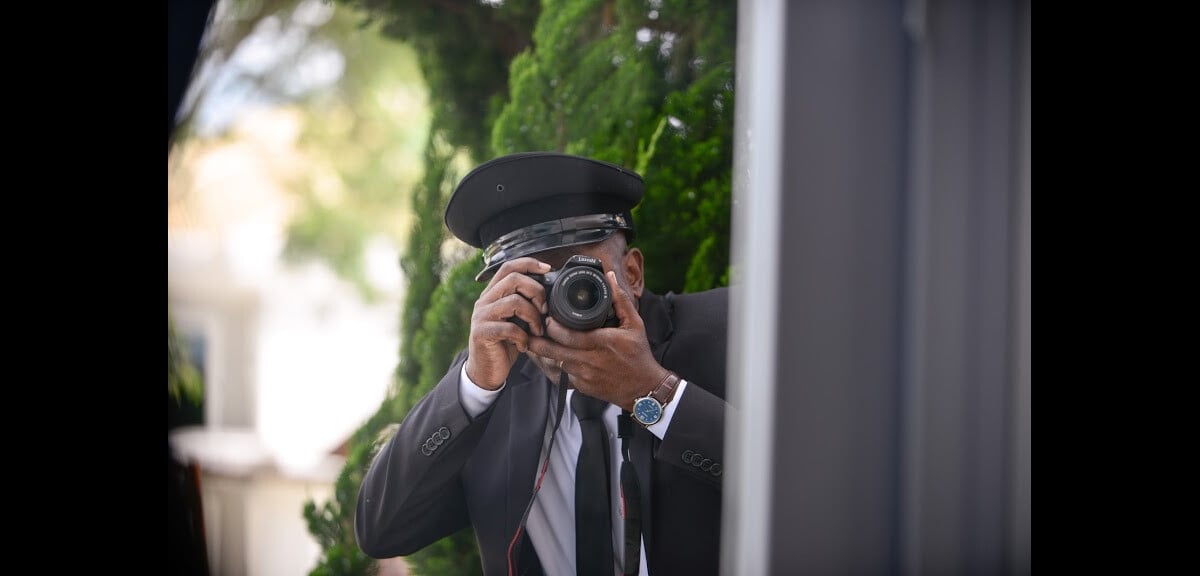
(577, 295)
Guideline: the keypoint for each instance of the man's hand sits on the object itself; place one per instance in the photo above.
(495, 342)
(613, 364)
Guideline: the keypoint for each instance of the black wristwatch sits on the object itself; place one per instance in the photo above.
(648, 410)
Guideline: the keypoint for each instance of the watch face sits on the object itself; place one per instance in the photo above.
(647, 411)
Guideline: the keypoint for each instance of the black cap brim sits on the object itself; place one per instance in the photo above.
(522, 190)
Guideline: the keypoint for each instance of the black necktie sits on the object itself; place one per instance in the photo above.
(593, 514)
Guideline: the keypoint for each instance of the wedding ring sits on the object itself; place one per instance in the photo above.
(560, 364)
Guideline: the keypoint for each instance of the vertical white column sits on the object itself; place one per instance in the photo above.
(755, 245)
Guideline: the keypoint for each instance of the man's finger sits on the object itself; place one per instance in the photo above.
(525, 265)
(548, 348)
(505, 331)
(622, 301)
(569, 338)
(514, 305)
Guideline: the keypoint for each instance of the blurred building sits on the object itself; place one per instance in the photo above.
(293, 358)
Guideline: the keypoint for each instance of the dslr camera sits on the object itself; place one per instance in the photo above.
(577, 295)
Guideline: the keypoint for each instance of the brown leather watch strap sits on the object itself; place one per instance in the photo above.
(666, 389)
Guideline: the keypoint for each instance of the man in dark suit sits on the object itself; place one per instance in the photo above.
(495, 444)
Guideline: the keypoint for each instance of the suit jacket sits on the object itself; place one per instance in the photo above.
(443, 471)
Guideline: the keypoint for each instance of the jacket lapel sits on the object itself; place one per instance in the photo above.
(527, 415)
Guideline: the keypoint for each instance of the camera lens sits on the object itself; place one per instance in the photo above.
(580, 298)
(583, 294)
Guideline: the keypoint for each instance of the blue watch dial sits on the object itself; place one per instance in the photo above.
(647, 411)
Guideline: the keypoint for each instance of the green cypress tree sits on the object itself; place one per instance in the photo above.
(333, 523)
(646, 84)
(645, 88)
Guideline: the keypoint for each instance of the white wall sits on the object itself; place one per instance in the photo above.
(255, 525)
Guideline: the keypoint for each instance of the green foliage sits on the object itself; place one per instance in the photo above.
(333, 523)
(364, 134)
(447, 324)
(612, 79)
(185, 386)
(346, 148)
(336, 235)
(454, 555)
(585, 87)
(603, 79)
(464, 48)
(422, 267)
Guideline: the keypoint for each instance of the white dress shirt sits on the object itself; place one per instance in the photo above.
(551, 522)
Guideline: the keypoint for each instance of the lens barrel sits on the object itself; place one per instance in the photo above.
(580, 298)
